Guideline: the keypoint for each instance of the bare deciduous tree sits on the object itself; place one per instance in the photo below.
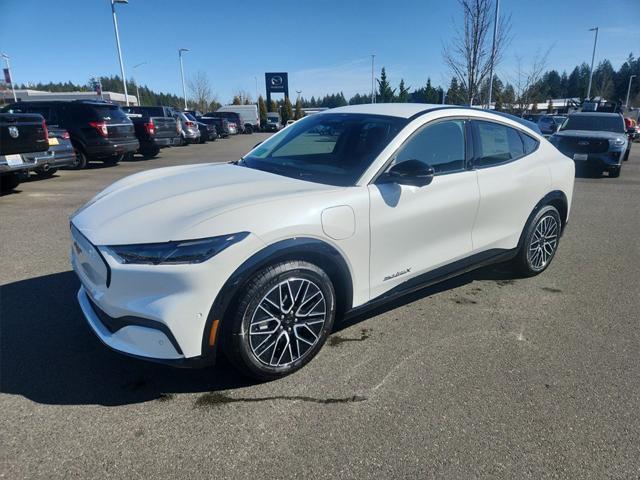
(527, 79)
(469, 55)
(201, 90)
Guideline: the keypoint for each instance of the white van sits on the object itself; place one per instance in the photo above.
(248, 115)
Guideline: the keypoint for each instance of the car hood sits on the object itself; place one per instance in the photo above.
(167, 204)
(589, 134)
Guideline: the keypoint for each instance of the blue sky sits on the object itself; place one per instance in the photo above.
(325, 45)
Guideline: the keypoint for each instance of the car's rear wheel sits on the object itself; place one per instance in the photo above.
(283, 318)
(45, 171)
(540, 242)
(80, 161)
(9, 181)
(113, 160)
(150, 152)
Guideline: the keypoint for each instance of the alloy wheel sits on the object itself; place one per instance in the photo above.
(287, 323)
(544, 242)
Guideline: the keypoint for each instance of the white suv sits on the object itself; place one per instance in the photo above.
(336, 213)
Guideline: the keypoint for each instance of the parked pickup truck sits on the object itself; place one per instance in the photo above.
(154, 129)
(19, 133)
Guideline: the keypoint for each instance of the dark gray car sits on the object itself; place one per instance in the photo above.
(594, 140)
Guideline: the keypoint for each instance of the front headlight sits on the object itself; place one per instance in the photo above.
(173, 253)
(618, 142)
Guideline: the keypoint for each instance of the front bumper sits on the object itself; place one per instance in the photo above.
(600, 160)
(154, 312)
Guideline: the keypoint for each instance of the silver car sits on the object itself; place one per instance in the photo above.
(190, 133)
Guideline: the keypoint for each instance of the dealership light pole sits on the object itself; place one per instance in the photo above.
(593, 56)
(115, 27)
(137, 86)
(493, 54)
(184, 90)
(256, 79)
(10, 77)
(626, 104)
(373, 96)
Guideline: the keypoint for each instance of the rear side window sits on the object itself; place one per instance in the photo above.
(496, 144)
(530, 144)
(109, 113)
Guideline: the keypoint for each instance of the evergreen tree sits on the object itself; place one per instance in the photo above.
(273, 106)
(550, 107)
(403, 92)
(286, 111)
(262, 109)
(236, 100)
(298, 114)
(455, 94)
(385, 93)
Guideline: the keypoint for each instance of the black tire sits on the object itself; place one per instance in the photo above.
(150, 152)
(626, 155)
(535, 255)
(81, 160)
(45, 173)
(614, 172)
(9, 182)
(114, 160)
(248, 130)
(248, 352)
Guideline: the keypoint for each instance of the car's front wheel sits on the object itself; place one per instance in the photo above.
(283, 318)
(540, 242)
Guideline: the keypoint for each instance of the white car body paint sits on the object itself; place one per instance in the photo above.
(386, 234)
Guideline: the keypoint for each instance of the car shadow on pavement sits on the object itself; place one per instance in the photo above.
(49, 355)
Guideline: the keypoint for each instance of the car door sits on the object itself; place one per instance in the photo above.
(417, 229)
(512, 178)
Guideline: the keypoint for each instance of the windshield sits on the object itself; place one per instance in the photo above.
(598, 123)
(190, 117)
(334, 149)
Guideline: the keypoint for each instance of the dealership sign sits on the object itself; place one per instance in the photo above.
(276, 82)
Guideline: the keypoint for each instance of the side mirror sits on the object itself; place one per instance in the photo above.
(409, 172)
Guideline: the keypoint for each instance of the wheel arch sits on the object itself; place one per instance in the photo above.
(313, 250)
(555, 198)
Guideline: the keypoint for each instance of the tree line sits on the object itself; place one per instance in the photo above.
(514, 94)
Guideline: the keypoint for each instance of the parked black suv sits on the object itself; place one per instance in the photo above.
(98, 130)
(221, 125)
(155, 128)
(595, 140)
(231, 117)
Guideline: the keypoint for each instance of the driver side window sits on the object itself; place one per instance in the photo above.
(440, 145)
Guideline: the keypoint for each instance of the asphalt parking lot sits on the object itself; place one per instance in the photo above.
(486, 375)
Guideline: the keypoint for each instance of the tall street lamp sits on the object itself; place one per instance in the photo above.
(137, 86)
(9, 77)
(593, 56)
(493, 54)
(626, 104)
(184, 90)
(256, 79)
(373, 95)
(115, 27)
